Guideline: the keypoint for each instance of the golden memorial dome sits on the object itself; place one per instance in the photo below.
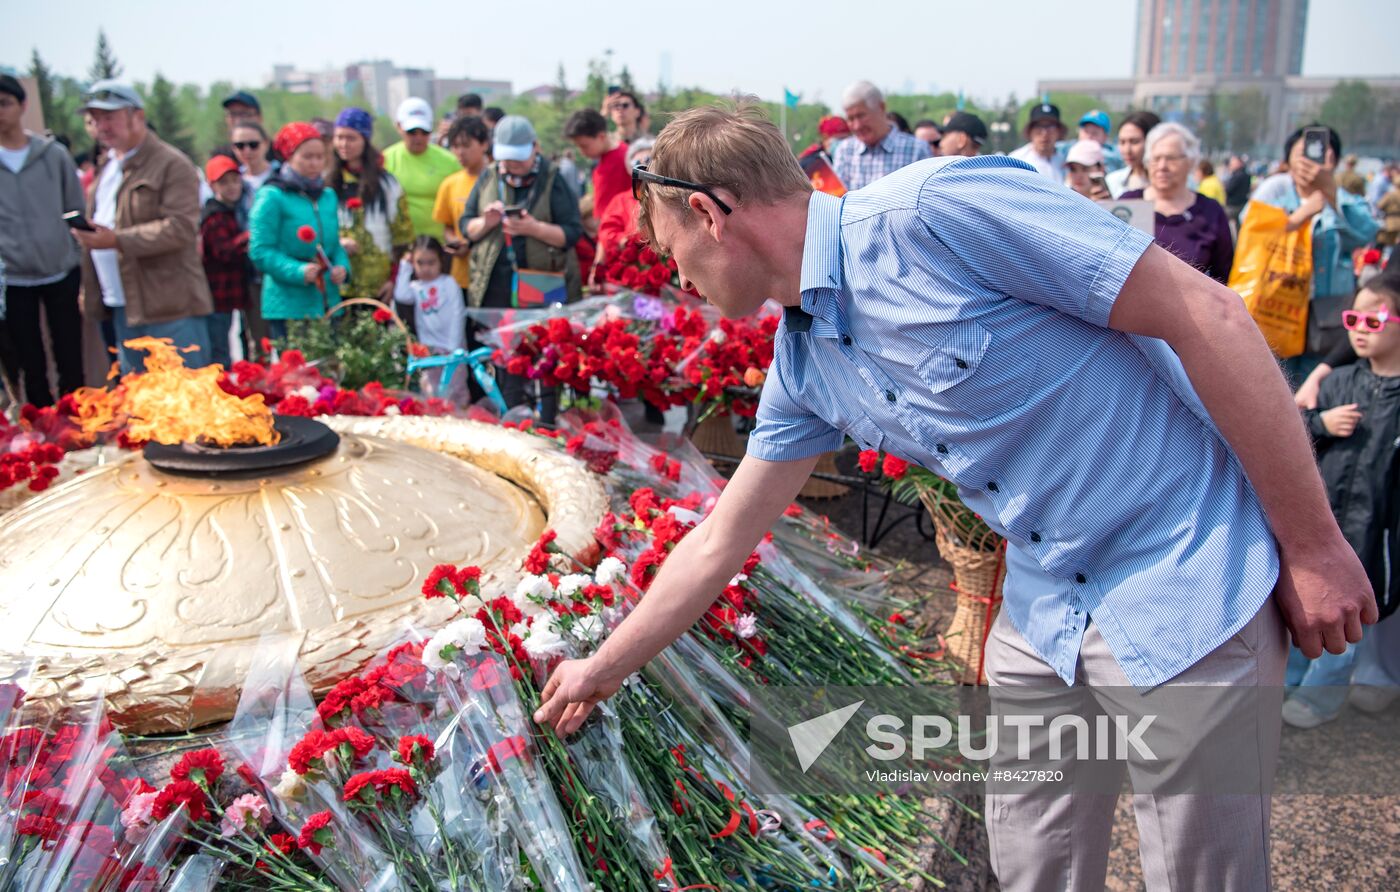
(150, 588)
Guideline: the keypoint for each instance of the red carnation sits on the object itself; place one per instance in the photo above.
(176, 794)
(354, 204)
(895, 468)
(503, 750)
(316, 832)
(204, 767)
(439, 583)
(869, 460)
(306, 234)
(415, 745)
(383, 316)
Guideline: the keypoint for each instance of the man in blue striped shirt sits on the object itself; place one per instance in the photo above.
(1113, 413)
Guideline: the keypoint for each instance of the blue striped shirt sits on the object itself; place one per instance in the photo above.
(858, 165)
(955, 314)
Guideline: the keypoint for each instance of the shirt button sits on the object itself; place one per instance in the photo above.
(943, 449)
(962, 363)
(846, 339)
(1035, 537)
(1080, 578)
(993, 486)
(889, 395)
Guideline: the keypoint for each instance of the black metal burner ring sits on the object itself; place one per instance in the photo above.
(303, 440)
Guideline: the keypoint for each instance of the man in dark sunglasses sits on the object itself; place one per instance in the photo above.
(627, 114)
(1111, 412)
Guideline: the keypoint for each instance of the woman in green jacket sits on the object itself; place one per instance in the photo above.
(292, 217)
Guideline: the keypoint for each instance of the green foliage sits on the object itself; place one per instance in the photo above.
(43, 81)
(1350, 109)
(104, 61)
(353, 347)
(163, 114)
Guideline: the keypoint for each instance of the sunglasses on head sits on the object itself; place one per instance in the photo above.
(252, 144)
(1355, 320)
(641, 177)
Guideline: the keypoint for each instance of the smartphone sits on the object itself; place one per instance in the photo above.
(1315, 144)
(614, 89)
(514, 210)
(1097, 180)
(76, 220)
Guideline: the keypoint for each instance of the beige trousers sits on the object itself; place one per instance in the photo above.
(1214, 843)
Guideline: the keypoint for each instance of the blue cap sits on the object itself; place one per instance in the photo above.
(1097, 117)
(242, 97)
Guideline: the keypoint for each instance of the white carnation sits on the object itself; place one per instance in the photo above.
(308, 393)
(571, 584)
(290, 786)
(543, 642)
(469, 634)
(532, 586)
(589, 628)
(610, 570)
(746, 625)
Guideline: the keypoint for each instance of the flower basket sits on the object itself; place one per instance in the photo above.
(715, 435)
(978, 558)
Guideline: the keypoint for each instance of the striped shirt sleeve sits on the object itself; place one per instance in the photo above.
(1022, 235)
(784, 430)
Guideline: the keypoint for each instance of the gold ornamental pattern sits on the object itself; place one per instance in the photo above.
(149, 589)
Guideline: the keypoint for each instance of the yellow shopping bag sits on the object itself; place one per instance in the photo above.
(1273, 273)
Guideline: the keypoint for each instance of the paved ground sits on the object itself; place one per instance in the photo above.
(1337, 841)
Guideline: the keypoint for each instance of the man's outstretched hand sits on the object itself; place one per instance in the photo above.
(573, 689)
(1325, 597)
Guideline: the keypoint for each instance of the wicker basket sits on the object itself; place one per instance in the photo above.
(716, 436)
(817, 488)
(978, 559)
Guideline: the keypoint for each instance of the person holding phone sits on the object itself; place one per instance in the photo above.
(142, 263)
(1084, 170)
(1341, 222)
(38, 186)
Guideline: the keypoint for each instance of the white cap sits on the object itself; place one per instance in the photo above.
(1086, 152)
(415, 114)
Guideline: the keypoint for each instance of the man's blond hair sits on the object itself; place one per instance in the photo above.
(734, 148)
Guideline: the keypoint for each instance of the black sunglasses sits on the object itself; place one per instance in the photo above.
(248, 145)
(641, 176)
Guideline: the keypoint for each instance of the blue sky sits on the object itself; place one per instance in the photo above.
(988, 49)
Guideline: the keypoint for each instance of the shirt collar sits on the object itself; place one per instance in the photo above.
(821, 247)
(883, 145)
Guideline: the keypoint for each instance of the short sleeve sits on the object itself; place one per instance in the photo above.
(784, 431)
(1019, 233)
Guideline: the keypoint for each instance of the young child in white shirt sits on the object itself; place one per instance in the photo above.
(439, 312)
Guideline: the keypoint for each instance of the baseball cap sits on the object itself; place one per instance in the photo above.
(966, 122)
(514, 139)
(831, 125)
(217, 166)
(110, 95)
(1086, 152)
(1044, 112)
(415, 114)
(242, 97)
(1096, 117)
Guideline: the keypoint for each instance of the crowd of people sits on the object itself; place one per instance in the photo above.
(284, 226)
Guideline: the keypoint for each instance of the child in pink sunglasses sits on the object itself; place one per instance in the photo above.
(1356, 427)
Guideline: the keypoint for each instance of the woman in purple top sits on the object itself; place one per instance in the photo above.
(1190, 225)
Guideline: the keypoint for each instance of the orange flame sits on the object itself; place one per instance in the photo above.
(172, 404)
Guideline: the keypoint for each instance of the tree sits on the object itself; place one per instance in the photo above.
(1245, 113)
(1211, 127)
(560, 93)
(43, 85)
(624, 80)
(104, 61)
(163, 114)
(1350, 110)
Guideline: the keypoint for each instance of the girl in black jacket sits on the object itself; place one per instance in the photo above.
(1356, 427)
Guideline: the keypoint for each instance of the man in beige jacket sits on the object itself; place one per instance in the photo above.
(141, 258)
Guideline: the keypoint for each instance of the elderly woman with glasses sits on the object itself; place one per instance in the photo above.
(1187, 223)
